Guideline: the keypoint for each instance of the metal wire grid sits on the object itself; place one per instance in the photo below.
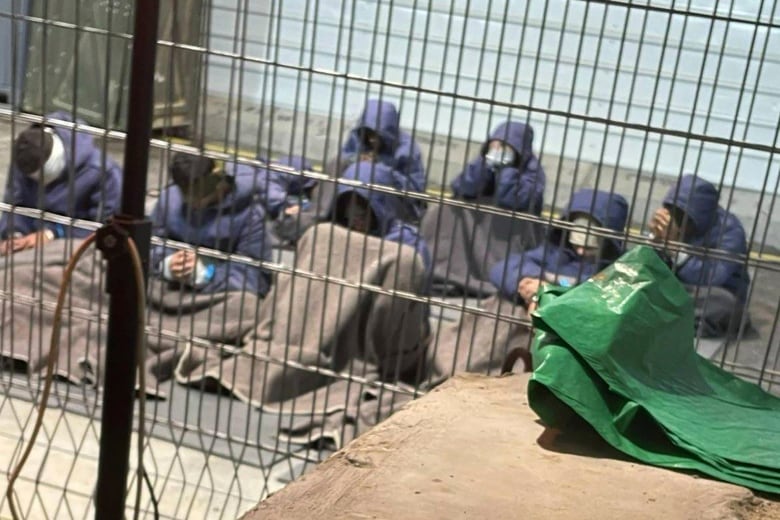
(445, 114)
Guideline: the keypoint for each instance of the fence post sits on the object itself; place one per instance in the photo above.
(118, 400)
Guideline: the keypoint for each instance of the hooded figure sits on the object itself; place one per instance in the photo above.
(691, 214)
(378, 137)
(567, 258)
(382, 210)
(59, 171)
(506, 171)
(218, 210)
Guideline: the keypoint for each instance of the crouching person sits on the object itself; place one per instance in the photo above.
(482, 343)
(567, 257)
(198, 296)
(323, 319)
(59, 171)
(691, 214)
(208, 207)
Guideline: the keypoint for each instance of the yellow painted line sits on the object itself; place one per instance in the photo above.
(436, 192)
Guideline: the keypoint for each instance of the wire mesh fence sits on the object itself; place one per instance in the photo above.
(351, 201)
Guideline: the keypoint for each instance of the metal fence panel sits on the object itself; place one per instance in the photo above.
(623, 97)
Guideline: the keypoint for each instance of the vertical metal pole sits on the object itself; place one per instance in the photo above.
(122, 341)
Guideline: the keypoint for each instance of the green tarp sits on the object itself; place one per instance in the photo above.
(618, 350)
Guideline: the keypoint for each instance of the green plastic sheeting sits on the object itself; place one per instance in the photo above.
(618, 351)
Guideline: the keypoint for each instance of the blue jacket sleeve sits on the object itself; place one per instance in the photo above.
(267, 184)
(254, 243)
(473, 179)
(506, 275)
(158, 253)
(14, 194)
(409, 166)
(704, 271)
(407, 234)
(104, 201)
(275, 192)
(521, 191)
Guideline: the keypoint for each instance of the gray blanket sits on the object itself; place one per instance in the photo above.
(175, 315)
(465, 243)
(311, 331)
(332, 416)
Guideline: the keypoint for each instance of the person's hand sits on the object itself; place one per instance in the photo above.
(33, 240)
(292, 210)
(663, 227)
(183, 265)
(367, 156)
(527, 289)
(6, 247)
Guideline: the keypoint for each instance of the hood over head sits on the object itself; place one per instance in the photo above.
(698, 199)
(385, 207)
(381, 117)
(519, 136)
(609, 210)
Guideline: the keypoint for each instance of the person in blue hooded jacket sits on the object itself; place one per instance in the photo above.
(506, 171)
(375, 213)
(377, 137)
(691, 214)
(59, 171)
(214, 208)
(567, 257)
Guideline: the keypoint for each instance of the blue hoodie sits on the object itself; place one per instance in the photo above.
(386, 207)
(398, 150)
(235, 225)
(93, 192)
(556, 256)
(296, 184)
(715, 228)
(518, 186)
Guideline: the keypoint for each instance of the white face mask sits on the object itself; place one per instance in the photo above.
(55, 164)
(500, 156)
(582, 238)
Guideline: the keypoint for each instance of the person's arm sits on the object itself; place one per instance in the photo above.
(507, 274)
(254, 243)
(409, 165)
(159, 254)
(16, 225)
(473, 179)
(700, 270)
(266, 183)
(521, 190)
(104, 201)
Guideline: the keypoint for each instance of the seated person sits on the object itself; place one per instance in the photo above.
(375, 213)
(59, 171)
(377, 137)
(385, 335)
(467, 242)
(214, 208)
(506, 171)
(567, 257)
(691, 214)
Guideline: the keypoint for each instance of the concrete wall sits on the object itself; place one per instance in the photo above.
(565, 60)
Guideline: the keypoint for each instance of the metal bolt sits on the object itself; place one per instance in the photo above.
(109, 242)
